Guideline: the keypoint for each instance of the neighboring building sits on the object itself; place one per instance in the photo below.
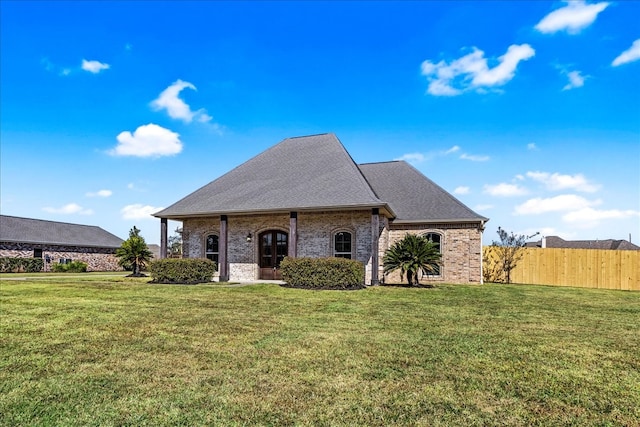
(57, 242)
(557, 242)
(306, 197)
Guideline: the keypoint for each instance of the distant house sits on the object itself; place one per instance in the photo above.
(57, 242)
(306, 197)
(557, 242)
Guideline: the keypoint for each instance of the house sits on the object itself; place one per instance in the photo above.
(58, 242)
(558, 242)
(306, 197)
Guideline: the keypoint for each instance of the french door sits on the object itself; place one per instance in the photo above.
(273, 249)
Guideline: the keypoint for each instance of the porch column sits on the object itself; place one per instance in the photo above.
(223, 266)
(163, 238)
(293, 235)
(375, 227)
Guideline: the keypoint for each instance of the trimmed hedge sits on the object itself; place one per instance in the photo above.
(70, 267)
(21, 265)
(182, 270)
(323, 273)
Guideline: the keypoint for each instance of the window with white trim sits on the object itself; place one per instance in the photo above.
(342, 244)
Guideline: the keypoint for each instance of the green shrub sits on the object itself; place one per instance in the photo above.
(70, 267)
(323, 273)
(182, 270)
(21, 265)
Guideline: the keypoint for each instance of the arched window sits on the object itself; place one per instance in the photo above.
(437, 241)
(211, 250)
(342, 244)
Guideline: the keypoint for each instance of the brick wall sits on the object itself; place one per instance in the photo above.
(97, 259)
(461, 243)
(461, 246)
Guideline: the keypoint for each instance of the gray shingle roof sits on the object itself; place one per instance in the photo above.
(304, 173)
(316, 172)
(413, 196)
(559, 242)
(38, 231)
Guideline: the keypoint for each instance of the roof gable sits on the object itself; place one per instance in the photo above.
(311, 172)
(413, 196)
(38, 231)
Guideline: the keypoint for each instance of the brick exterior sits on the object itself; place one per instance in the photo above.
(97, 259)
(461, 243)
(461, 246)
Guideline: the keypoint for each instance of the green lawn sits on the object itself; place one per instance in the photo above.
(118, 351)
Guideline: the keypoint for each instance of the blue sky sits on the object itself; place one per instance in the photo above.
(528, 112)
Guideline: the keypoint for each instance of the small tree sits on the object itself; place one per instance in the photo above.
(175, 244)
(411, 255)
(509, 253)
(134, 252)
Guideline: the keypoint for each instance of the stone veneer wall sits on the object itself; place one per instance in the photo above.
(315, 237)
(97, 259)
(462, 251)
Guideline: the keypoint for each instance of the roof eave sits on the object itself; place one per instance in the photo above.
(386, 210)
(481, 220)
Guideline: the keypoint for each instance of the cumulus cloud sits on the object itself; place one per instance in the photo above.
(100, 193)
(588, 217)
(412, 158)
(461, 190)
(480, 208)
(474, 158)
(575, 80)
(472, 71)
(630, 55)
(564, 202)
(556, 181)
(170, 101)
(69, 209)
(139, 211)
(94, 66)
(505, 190)
(572, 18)
(148, 141)
(453, 149)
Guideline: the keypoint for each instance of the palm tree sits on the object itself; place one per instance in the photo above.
(134, 252)
(412, 255)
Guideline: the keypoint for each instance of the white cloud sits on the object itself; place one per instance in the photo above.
(71, 208)
(630, 55)
(148, 141)
(480, 208)
(572, 18)
(453, 149)
(557, 181)
(575, 80)
(564, 202)
(461, 190)
(100, 193)
(94, 66)
(139, 211)
(588, 217)
(412, 158)
(474, 158)
(505, 190)
(176, 108)
(472, 71)
(532, 146)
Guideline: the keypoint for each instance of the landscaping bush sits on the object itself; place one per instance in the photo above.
(184, 271)
(70, 267)
(21, 265)
(323, 273)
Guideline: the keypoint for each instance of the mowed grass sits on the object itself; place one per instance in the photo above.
(119, 351)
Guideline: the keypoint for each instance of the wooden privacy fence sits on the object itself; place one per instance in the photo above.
(585, 268)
